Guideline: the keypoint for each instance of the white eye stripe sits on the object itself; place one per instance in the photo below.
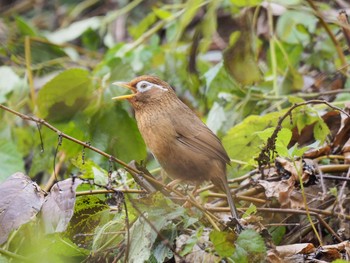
(143, 86)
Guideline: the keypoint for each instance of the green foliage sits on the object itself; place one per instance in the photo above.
(277, 234)
(242, 142)
(294, 27)
(223, 243)
(250, 247)
(121, 138)
(340, 261)
(250, 210)
(65, 95)
(38, 247)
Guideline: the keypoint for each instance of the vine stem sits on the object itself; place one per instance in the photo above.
(63, 135)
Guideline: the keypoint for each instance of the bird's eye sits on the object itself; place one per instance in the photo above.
(143, 86)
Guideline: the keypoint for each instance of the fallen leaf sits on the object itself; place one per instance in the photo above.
(58, 208)
(289, 250)
(20, 200)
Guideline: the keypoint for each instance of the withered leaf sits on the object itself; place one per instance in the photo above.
(301, 248)
(20, 200)
(59, 205)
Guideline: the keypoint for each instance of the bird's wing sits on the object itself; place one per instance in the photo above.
(195, 135)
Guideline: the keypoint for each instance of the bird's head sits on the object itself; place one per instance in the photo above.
(146, 90)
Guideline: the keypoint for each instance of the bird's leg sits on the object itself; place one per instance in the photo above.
(187, 204)
(174, 183)
(232, 206)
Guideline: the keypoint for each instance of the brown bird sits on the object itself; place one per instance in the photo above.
(183, 145)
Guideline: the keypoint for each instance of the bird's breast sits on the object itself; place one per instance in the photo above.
(157, 131)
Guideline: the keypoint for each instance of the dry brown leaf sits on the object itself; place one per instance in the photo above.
(280, 190)
(333, 252)
(20, 200)
(287, 168)
(343, 135)
(58, 208)
(290, 250)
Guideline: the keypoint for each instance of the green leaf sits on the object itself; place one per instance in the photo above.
(283, 138)
(161, 13)
(24, 27)
(287, 2)
(245, 3)
(91, 39)
(137, 30)
(115, 132)
(290, 21)
(304, 117)
(333, 191)
(52, 248)
(242, 141)
(295, 151)
(340, 261)
(265, 134)
(321, 130)
(251, 210)
(74, 30)
(250, 247)
(251, 241)
(223, 242)
(65, 95)
(90, 170)
(190, 11)
(90, 212)
(10, 159)
(277, 233)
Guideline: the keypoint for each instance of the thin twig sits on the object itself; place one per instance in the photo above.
(63, 135)
(105, 191)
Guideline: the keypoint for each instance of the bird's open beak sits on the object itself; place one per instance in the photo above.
(124, 85)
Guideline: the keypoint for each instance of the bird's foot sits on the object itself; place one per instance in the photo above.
(235, 223)
(174, 183)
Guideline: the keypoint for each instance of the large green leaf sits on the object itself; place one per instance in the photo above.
(242, 141)
(114, 131)
(223, 242)
(65, 95)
